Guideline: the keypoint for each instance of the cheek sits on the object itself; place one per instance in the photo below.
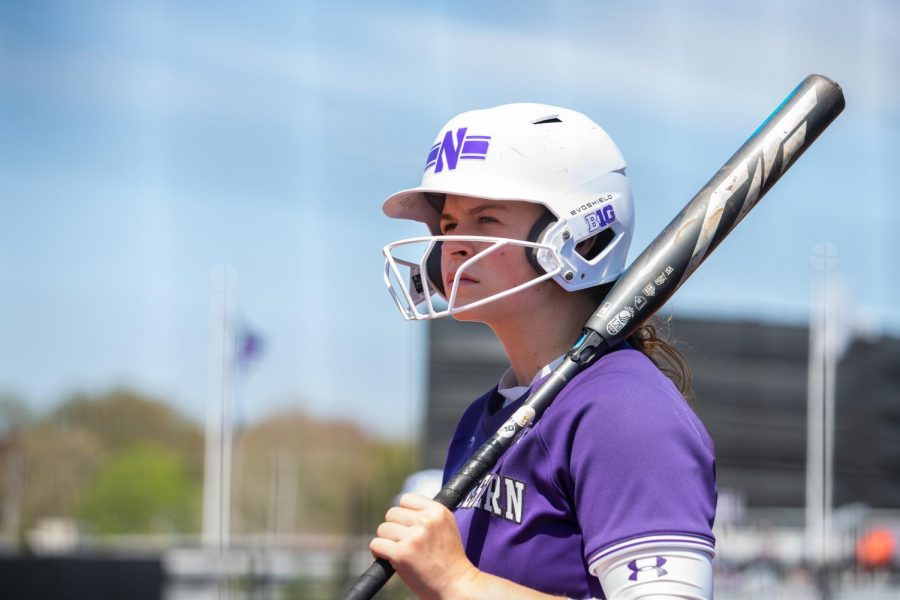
(512, 266)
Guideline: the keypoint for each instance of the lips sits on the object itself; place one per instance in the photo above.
(464, 278)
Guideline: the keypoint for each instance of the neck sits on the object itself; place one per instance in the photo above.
(535, 337)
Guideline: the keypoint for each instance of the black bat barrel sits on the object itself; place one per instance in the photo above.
(711, 215)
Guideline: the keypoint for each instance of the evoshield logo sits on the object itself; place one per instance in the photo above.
(465, 147)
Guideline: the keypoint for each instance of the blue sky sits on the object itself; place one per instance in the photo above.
(143, 143)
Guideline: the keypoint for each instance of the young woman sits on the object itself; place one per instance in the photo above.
(612, 493)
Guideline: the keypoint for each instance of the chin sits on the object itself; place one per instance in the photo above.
(516, 305)
(469, 316)
(486, 313)
(478, 313)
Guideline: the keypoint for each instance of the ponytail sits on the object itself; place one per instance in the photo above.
(654, 345)
(664, 355)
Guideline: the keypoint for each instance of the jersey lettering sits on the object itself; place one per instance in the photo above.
(498, 495)
(475, 494)
(492, 495)
(514, 491)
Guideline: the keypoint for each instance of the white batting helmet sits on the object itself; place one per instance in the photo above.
(538, 153)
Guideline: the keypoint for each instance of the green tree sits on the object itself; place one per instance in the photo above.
(65, 452)
(143, 489)
(120, 418)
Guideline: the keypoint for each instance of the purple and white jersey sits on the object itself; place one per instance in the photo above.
(618, 460)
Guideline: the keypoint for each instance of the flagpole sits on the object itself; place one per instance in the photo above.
(833, 326)
(217, 468)
(819, 375)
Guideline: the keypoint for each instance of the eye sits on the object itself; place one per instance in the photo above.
(485, 219)
(447, 227)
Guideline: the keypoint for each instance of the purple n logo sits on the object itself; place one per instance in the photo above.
(464, 147)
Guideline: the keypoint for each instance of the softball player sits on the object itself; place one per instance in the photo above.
(612, 493)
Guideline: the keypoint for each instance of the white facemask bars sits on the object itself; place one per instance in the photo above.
(409, 302)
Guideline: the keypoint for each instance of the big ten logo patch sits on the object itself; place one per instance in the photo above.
(456, 146)
(501, 496)
(600, 218)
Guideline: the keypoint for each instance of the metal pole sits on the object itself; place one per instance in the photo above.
(217, 468)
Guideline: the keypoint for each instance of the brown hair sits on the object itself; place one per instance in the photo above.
(664, 355)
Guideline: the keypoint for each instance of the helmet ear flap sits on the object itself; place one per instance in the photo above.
(433, 267)
(538, 229)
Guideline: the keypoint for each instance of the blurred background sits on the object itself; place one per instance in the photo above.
(205, 389)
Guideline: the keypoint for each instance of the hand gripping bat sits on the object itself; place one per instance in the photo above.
(660, 270)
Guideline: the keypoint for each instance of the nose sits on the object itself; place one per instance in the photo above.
(458, 248)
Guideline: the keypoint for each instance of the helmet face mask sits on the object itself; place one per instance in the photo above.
(413, 290)
(536, 153)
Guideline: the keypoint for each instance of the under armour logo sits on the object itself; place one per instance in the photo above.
(465, 147)
(652, 567)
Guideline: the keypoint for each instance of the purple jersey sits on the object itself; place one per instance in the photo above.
(618, 456)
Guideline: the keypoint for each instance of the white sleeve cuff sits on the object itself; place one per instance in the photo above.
(656, 567)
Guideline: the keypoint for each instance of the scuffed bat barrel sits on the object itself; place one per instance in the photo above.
(711, 215)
